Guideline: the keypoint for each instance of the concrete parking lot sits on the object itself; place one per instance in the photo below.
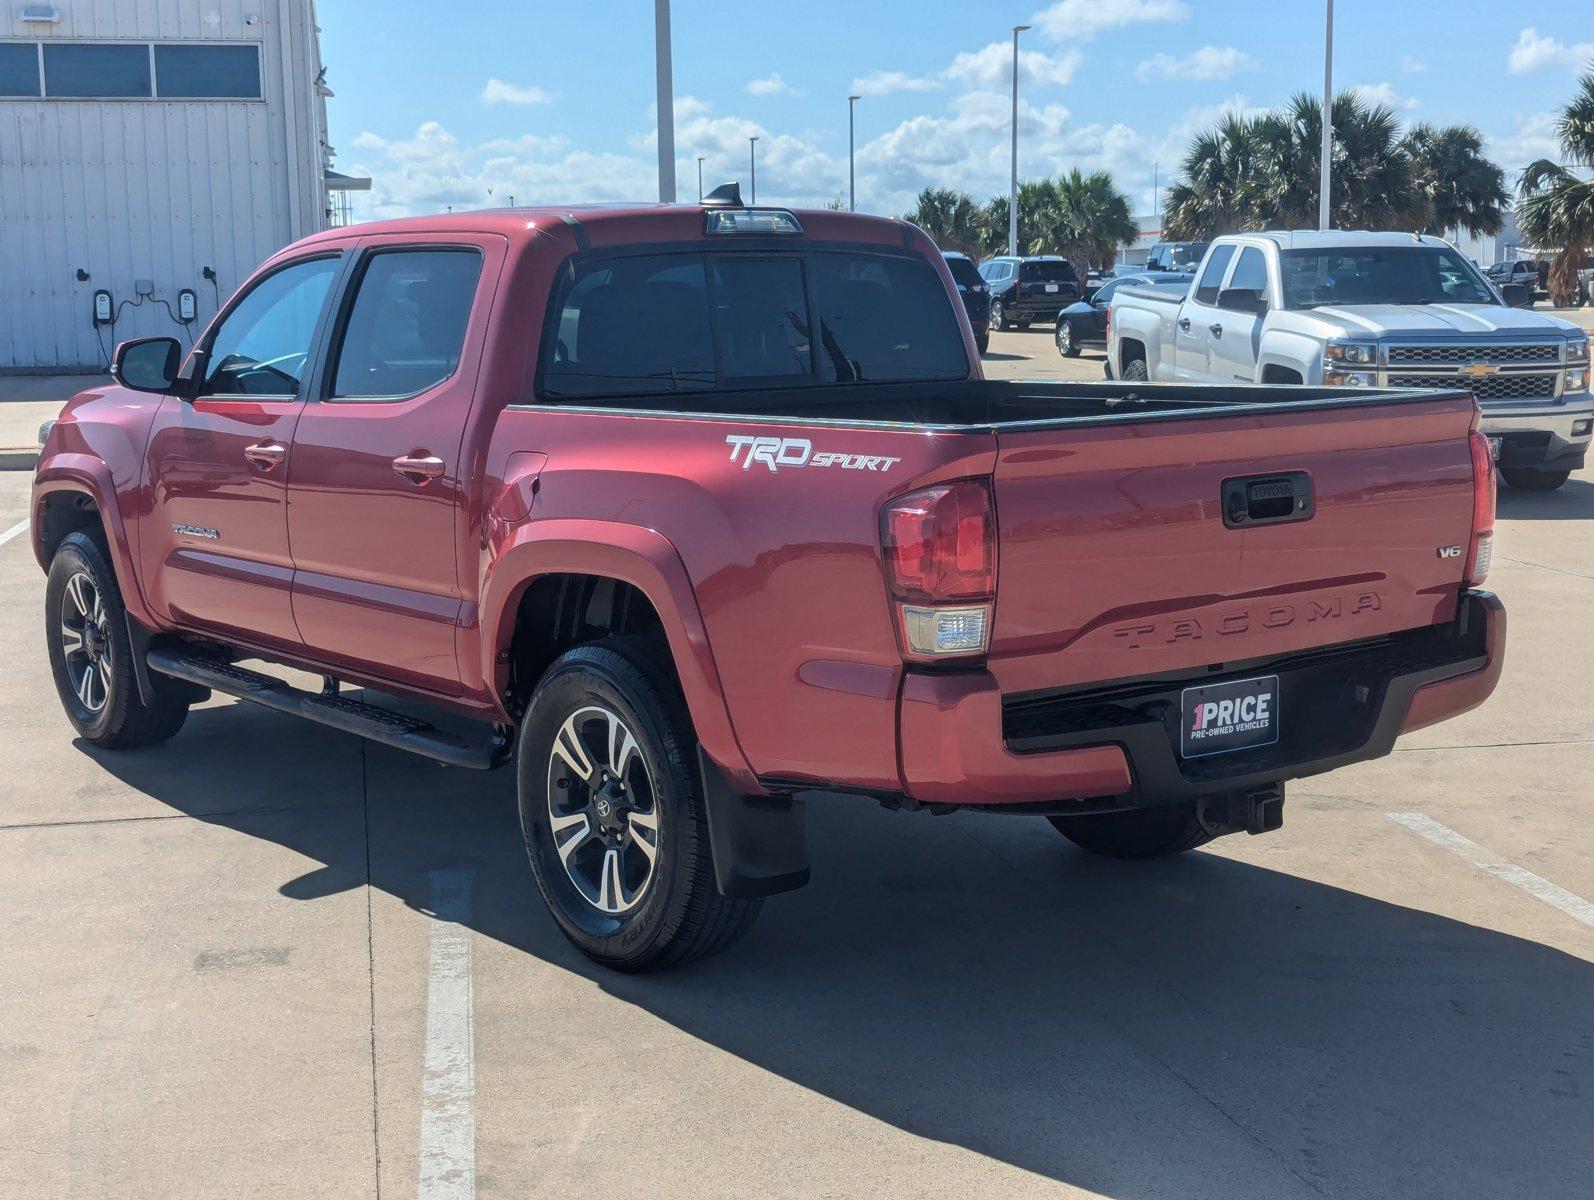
(267, 959)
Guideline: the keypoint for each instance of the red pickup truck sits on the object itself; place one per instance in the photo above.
(696, 508)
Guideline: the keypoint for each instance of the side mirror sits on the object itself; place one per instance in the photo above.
(1517, 295)
(148, 365)
(1248, 300)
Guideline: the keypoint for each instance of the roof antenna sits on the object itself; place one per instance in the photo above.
(727, 195)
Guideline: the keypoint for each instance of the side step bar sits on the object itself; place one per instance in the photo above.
(379, 724)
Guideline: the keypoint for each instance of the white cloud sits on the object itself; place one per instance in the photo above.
(1209, 62)
(1080, 20)
(499, 92)
(772, 85)
(1413, 65)
(1534, 137)
(1385, 94)
(1534, 51)
(883, 83)
(992, 67)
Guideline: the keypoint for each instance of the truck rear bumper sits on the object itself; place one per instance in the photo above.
(965, 743)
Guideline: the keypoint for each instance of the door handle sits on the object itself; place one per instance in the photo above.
(1184, 324)
(1215, 329)
(419, 468)
(265, 455)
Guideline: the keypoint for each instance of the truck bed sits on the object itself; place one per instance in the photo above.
(996, 406)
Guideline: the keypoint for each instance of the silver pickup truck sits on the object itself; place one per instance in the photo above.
(1375, 310)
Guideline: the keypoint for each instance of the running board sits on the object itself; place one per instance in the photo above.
(379, 724)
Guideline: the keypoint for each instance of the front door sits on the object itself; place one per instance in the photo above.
(376, 483)
(215, 544)
(1234, 353)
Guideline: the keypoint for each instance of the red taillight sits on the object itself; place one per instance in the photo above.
(940, 558)
(1482, 548)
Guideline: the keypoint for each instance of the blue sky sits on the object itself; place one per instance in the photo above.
(469, 102)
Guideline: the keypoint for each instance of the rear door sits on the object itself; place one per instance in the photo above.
(215, 546)
(1200, 320)
(375, 484)
(1116, 559)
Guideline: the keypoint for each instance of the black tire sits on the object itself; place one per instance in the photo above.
(998, 316)
(1021, 322)
(1067, 345)
(1524, 479)
(1135, 371)
(677, 913)
(1136, 833)
(95, 677)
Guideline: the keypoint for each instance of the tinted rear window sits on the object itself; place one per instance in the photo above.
(1054, 272)
(688, 322)
(964, 272)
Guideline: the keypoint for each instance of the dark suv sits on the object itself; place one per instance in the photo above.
(1029, 289)
(976, 296)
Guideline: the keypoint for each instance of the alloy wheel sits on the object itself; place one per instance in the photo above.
(86, 641)
(1065, 337)
(602, 810)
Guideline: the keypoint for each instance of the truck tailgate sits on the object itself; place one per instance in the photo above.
(1115, 561)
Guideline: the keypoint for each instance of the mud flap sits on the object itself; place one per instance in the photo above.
(759, 843)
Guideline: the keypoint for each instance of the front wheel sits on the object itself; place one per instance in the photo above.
(1137, 832)
(1135, 371)
(1527, 480)
(1066, 345)
(91, 655)
(612, 810)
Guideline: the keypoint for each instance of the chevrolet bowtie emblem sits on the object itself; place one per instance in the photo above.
(1479, 370)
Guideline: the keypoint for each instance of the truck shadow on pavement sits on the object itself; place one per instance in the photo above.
(1193, 1028)
(1573, 500)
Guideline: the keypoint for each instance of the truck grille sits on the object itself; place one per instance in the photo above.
(1490, 387)
(1527, 352)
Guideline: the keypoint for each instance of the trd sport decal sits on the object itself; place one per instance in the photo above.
(776, 453)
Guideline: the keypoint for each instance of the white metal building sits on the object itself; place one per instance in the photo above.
(155, 151)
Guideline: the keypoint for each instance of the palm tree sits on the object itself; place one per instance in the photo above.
(951, 218)
(1262, 172)
(1037, 202)
(1092, 218)
(1454, 186)
(1556, 205)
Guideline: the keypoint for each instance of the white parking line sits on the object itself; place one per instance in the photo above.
(448, 1076)
(1540, 888)
(20, 527)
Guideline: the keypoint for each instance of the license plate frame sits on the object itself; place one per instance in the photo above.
(1207, 728)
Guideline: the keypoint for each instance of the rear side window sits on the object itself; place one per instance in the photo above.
(689, 322)
(1212, 276)
(406, 327)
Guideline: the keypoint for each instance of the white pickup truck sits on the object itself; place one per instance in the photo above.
(1375, 310)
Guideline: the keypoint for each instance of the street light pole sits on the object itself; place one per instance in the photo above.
(700, 179)
(666, 101)
(752, 167)
(852, 178)
(1012, 191)
(1323, 221)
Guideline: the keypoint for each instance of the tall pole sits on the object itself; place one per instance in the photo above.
(1012, 190)
(700, 179)
(666, 101)
(1323, 221)
(752, 167)
(1156, 198)
(852, 178)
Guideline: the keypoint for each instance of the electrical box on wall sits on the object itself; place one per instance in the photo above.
(187, 306)
(102, 307)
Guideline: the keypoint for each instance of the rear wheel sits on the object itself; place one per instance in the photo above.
(1136, 370)
(983, 341)
(91, 655)
(1021, 322)
(1527, 480)
(998, 316)
(1066, 345)
(1136, 833)
(613, 814)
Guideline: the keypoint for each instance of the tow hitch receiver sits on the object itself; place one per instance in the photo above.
(1260, 810)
